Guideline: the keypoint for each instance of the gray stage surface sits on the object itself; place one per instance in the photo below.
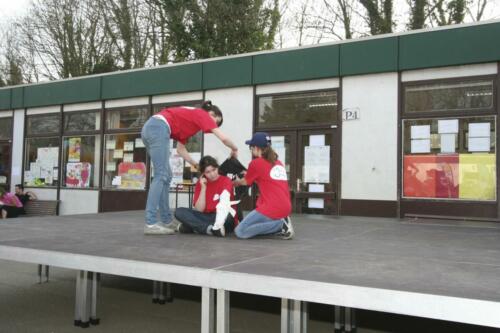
(426, 269)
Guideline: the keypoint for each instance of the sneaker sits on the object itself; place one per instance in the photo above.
(157, 229)
(219, 232)
(287, 231)
(174, 224)
(182, 229)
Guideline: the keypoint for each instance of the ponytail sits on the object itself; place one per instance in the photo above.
(209, 107)
(269, 155)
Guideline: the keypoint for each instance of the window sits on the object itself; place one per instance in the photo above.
(125, 162)
(6, 128)
(468, 95)
(450, 158)
(126, 118)
(181, 170)
(41, 166)
(81, 149)
(82, 121)
(298, 109)
(43, 124)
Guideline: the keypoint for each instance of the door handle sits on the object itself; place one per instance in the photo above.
(298, 184)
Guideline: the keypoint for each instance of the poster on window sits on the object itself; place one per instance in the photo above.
(78, 174)
(177, 167)
(74, 149)
(317, 164)
(132, 175)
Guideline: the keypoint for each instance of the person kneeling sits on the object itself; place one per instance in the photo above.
(212, 213)
(271, 217)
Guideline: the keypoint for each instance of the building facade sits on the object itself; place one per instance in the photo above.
(393, 125)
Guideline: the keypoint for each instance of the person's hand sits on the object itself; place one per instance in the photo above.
(236, 181)
(196, 166)
(203, 181)
(234, 153)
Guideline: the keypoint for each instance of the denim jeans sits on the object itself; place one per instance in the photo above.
(255, 224)
(156, 137)
(198, 222)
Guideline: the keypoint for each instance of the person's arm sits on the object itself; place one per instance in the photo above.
(226, 141)
(201, 203)
(32, 195)
(181, 149)
(240, 182)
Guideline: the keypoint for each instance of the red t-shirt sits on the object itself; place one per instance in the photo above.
(186, 121)
(274, 199)
(214, 189)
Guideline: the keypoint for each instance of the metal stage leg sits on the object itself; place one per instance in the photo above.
(344, 319)
(96, 282)
(339, 319)
(207, 310)
(161, 293)
(223, 311)
(47, 273)
(78, 287)
(350, 320)
(294, 316)
(156, 296)
(169, 297)
(40, 273)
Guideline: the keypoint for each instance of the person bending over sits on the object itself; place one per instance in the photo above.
(271, 216)
(208, 192)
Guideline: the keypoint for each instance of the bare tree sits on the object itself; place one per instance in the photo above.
(476, 9)
(379, 15)
(445, 12)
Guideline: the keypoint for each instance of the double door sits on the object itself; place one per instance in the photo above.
(311, 162)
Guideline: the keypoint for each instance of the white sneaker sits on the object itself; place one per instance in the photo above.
(287, 232)
(172, 225)
(157, 229)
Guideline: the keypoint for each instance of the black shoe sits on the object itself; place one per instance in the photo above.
(287, 231)
(219, 232)
(182, 229)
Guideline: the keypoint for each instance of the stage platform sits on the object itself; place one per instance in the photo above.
(448, 271)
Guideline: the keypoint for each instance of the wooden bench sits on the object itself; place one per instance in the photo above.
(42, 208)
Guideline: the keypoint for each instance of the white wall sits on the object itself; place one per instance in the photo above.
(449, 72)
(236, 105)
(17, 148)
(78, 202)
(369, 144)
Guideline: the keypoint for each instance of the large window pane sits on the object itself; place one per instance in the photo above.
(451, 158)
(124, 162)
(5, 128)
(300, 108)
(81, 161)
(43, 124)
(133, 117)
(80, 122)
(449, 96)
(42, 162)
(5, 155)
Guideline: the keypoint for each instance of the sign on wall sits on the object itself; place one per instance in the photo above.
(350, 114)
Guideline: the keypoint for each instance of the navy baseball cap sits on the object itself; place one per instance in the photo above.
(259, 139)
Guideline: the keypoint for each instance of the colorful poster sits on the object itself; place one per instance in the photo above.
(477, 176)
(447, 176)
(419, 176)
(78, 174)
(132, 175)
(74, 149)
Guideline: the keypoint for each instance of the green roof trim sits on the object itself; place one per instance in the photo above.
(298, 64)
(369, 56)
(155, 81)
(226, 73)
(472, 44)
(63, 92)
(17, 98)
(5, 100)
(459, 46)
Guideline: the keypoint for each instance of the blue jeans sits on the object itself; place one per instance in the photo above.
(199, 222)
(156, 137)
(255, 224)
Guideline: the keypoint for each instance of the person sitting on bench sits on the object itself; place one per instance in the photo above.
(24, 197)
(10, 205)
(209, 194)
